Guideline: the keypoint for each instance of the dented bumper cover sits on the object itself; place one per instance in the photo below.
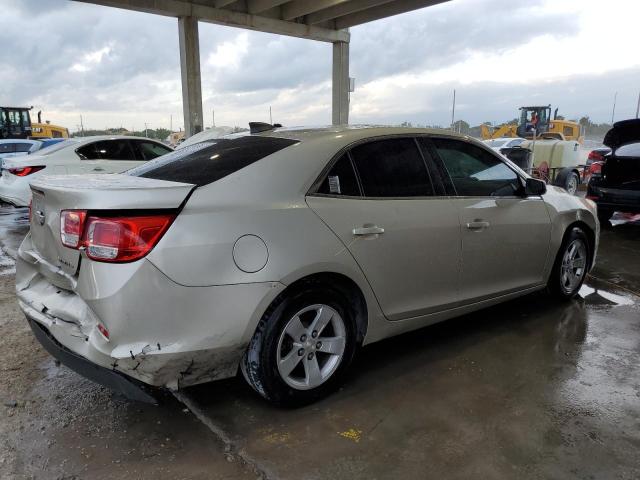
(161, 333)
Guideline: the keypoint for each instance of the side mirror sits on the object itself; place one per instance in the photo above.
(534, 186)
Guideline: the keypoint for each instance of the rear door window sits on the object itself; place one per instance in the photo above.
(107, 150)
(204, 163)
(341, 179)
(474, 171)
(149, 150)
(392, 168)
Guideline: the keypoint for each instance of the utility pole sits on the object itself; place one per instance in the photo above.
(453, 110)
(613, 112)
(270, 117)
(213, 118)
(145, 130)
(171, 123)
(81, 126)
(638, 107)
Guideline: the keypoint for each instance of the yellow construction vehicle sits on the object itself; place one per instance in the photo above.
(536, 121)
(47, 129)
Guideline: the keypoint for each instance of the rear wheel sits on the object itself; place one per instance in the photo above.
(568, 179)
(570, 268)
(301, 347)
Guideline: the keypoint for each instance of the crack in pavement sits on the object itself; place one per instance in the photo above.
(230, 447)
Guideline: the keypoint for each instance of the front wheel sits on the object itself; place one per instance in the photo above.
(570, 268)
(301, 347)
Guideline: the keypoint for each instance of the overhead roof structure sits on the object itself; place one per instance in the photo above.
(322, 20)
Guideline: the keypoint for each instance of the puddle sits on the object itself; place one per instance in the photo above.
(594, 295)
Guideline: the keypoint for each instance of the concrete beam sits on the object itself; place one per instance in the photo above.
(258, 6)
(340, 84)
(204, 13)
(298, 8)
(341, 9)
(190, 72)
(383, 11)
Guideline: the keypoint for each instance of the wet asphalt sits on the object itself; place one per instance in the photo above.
(532, 388)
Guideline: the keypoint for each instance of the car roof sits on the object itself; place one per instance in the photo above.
(352, 132)
(93, 138)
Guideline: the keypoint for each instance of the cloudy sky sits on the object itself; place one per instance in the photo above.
(117, 67)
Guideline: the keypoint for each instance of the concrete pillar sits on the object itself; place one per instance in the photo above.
(340, 83)
(190, 72)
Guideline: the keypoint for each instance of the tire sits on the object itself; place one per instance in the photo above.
(567, 276)
(567, 179)
(273, 350)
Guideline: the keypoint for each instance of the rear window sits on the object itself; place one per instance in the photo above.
(629, 150)
(204, 163)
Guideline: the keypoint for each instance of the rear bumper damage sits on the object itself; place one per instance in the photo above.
(111, 379)
(162, 334)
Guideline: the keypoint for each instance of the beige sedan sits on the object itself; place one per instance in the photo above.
(277, 253)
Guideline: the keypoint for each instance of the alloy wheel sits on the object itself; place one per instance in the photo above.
(311, 347)
(573, 268)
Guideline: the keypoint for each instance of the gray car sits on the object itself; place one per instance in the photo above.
(279, 253)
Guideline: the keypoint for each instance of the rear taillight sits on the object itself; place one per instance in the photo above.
(595, 156)
(24, 171)
(595, 167)
(114, 239)
(71, 227)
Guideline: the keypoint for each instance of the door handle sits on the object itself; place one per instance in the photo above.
(98, 169)
(478, 225)
(368, 230)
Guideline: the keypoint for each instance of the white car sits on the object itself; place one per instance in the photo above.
(99, 154)
(499, 143)
(208, 134)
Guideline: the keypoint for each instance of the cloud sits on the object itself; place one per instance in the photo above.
(90, 60)
(120, 67)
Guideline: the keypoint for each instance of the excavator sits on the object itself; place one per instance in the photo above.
(15, 122)
(536, 121)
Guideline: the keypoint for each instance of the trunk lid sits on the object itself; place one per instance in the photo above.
(623, 132)
(52, 194)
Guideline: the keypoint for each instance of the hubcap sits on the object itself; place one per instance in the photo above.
(573, 267)
(572, 184)
(311, 347)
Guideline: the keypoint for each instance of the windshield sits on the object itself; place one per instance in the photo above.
(496, 143)
(58, 146)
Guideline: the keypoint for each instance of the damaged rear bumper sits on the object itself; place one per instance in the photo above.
(112, 379)
(161, 334)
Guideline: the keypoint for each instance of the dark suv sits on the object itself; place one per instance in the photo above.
(617, 187)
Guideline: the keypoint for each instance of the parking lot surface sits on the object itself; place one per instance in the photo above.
(528, 389)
